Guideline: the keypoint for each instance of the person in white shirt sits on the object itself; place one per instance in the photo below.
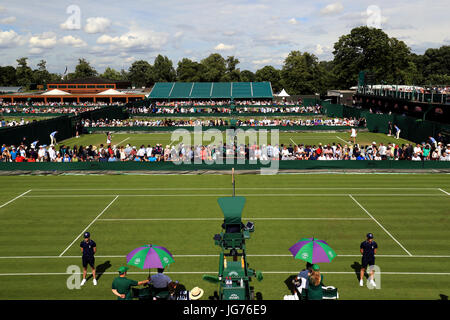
(416, 157)
(353, 135)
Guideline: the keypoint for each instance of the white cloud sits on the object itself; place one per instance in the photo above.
(97, 25)
(135, 39)
(2, 9)
(332, 8)
(8, 20)
(46, 40)
(73, 41)
(10, 39)
(36, 51)
(293, 21)
(223, 47)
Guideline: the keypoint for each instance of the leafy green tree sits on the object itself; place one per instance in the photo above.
(300, 73)
(269, 73)
(232, 74)
(8, 76)
(163, 70)
(247, 76)
(189, 71)
(24, 74)
(112, 74)
(214, 67)
(370, 49)
(141, 73)
(82, 70)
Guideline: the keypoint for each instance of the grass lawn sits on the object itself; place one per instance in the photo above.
(43, 218)
(305, 138)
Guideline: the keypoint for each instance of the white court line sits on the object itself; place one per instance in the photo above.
(385, 230)
(444, 191)
(221, 219)
(216, 255)
(237, 188)
(122, 141)
(215, 272)
(106, 208)
(244, 195)
(346, 142)
(6, 203)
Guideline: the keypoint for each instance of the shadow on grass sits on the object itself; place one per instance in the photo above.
(357, 267)
(100, 270)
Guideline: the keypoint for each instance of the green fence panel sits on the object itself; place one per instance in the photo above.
(169, 166)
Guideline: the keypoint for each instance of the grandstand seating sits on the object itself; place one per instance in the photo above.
(211, 90)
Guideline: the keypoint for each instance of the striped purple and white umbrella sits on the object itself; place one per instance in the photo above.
(312, 250)
(150, 256)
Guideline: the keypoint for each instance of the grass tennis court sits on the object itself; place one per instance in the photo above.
(43, 219)
(289, 138)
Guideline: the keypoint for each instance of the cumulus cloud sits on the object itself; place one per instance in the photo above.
(73, 41)
(293, 21)
(10, 38)
(332, 8)
(135, 39)
(223, 47)
(8, 20)
(97, 25)
(44, 41)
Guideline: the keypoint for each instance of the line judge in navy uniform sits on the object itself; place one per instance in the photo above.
(88, 249)
(368, 250)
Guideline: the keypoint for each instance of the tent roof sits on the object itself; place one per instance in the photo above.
(55, 92)
(283, 93)
(110, 92)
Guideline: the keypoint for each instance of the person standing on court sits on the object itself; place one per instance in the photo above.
(121, 286)
(397, 132)
(353, 135)
(88, 250)
(52, 138)
(368, 249)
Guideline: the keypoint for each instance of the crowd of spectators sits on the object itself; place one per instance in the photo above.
(222, 122)
(200, 103)
(154, 109)
(429, 151)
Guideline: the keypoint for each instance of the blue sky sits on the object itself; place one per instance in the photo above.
(116, 33)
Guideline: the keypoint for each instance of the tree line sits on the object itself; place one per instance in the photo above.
(388, 59)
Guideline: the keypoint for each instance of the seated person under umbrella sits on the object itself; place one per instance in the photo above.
(160, 281)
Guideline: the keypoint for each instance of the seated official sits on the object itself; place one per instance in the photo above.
(160, 281)
(315, 282)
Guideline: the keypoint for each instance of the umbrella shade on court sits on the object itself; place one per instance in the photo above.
(312, 250)
(150, 256)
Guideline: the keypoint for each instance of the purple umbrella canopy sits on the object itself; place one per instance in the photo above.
(150, 256)
(312, 250)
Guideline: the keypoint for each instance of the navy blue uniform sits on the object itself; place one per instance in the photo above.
(88, 253)
(368, 256)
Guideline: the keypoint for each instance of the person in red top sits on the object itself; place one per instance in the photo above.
(20, 158)
(319, 150)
